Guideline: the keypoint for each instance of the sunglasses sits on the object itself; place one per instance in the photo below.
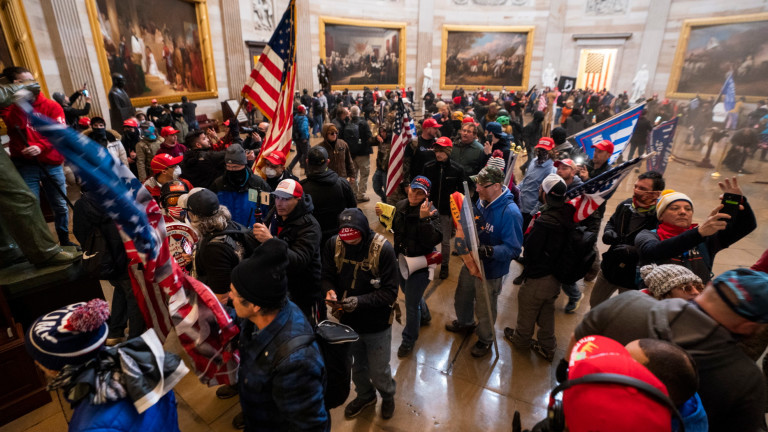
(691, 288)
(172, 201)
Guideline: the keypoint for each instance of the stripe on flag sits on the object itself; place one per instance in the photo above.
(401, 137)
(617, 129)
(588, 196)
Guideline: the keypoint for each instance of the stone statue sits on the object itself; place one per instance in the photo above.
(548, 77)
(322, 76)
(120, 106)
(427, 79)
(638, 84)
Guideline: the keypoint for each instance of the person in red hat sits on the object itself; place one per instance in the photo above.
(155, 111)
(83, 124)
(430, 130)
(171, 144)
(274, 169)
(131, 137)
(165, 168)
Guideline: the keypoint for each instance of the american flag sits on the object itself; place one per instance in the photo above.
(167, 297)
(588, 196)
(617, 129)
(272, 82)
(596, 70)
(401, 137)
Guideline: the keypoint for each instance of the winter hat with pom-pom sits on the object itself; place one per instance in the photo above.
(71, 335)
(497, 160)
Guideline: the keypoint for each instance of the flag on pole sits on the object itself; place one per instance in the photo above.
(588, 196)
(401, 138)
(167, 297)
(729, 89)
(271, 85)
(660, 142)
(617, 129)
(464, 220)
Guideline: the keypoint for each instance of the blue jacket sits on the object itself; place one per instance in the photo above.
(301, 122)
(121, 416)
(236, 198)
(500, 224)
(529, 187)
(287, 396)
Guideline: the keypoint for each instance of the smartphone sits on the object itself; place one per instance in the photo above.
(85, 93)
(731, 204)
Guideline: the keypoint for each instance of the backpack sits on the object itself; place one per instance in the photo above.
(351, 135)
(577, 255)
(371, 262)
(97, 258)
(101, 259)
(334, 341)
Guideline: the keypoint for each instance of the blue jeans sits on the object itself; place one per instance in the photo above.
(572, 291)
(318, 119)
(33, 175)
(471, 297)
(370, 370)
(379, 184)
(415, 306)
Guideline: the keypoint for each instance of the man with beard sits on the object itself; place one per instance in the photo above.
(619, 264)
(291, 220)
(239, 190)
(201, 165)
(330, 193)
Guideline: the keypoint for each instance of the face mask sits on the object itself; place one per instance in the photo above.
(99, 133)
(541, 156)
(176, 172)
(237, 178)
(177, 213)
(270, 172)
(131, 134)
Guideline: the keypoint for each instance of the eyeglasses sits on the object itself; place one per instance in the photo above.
(691, 288)
(172, 200)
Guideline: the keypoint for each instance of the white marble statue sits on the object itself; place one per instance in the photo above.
(548, 77)
(427, 79)
(638, 84)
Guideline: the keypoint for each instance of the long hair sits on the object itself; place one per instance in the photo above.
(209, 224)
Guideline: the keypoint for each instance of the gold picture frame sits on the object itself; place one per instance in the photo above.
(709, 48)
(337, 83)
(209, 90)
(472, 73)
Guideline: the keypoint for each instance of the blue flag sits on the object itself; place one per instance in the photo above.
(661, 142)
(617, 129)
(729, 89)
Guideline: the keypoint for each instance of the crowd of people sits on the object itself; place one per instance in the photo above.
(686, 330)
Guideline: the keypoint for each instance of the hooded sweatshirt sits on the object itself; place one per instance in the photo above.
(499, 224)
(330, 194)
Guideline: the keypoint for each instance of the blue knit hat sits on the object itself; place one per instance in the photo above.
(71, 335)
(750, 290)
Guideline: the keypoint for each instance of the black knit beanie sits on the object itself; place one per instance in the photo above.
(261, 279)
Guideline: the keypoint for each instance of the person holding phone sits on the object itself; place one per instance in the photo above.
(679, 241)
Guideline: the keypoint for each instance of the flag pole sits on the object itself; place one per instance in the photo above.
(475, 245)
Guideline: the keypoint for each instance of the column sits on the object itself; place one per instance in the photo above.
(650, 47)
(425, 32)
(553, 40)
(305, 76)
(234, 47)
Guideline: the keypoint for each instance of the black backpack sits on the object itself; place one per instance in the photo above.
(334, 341)
(351, 135)
(102, 259)
(577, 255)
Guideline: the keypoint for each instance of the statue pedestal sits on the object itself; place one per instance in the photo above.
(27, 292)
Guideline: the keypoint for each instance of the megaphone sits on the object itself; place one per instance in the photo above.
(409, 265)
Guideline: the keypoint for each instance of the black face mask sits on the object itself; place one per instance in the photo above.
(237, 178)
(541, 156)
(131, 135)
(99, 134)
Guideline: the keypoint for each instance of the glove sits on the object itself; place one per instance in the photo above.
(485, 251)
(349, 304)
(610, 237)
(561, 373)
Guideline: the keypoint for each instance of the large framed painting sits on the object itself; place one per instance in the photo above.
(712, 48)
(362, 54)
(489, 56)
(160, 57)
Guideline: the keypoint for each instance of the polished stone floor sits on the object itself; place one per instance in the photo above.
(441, 386)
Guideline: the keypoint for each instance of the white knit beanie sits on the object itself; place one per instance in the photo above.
(661, 279)
(667, 197)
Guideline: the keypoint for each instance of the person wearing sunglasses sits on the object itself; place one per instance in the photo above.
(671, 281)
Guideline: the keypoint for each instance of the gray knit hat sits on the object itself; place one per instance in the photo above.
(661, 279)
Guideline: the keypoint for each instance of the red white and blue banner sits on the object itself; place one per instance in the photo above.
(617, 129)
(588, 196)
(661, 140)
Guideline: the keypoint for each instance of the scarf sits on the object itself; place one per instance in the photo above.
(138, 369)
(641, 209)
(666, 231)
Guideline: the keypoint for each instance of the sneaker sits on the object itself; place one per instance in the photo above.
(480, 349)
(357, 405)
(239, 421)
(226, 391)
(573, 304)
(518, 280)
(387, 408)
(455, 327)
(404, 350)
(538, 349)
(509, 335)
(443, 272)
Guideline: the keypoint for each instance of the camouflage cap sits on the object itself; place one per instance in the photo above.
(489, 174)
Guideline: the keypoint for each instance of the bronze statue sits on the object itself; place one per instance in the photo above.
(120, 106)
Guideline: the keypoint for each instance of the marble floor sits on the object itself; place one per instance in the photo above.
(441, 386)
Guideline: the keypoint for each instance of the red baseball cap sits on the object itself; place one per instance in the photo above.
(168, 130)
(349, 234)
(468, 119)
(84, 121)
(457, 100)
(131, 123)
(153, 101)
(226, 122)
(288, 188)
(164, 161)
(276, 158)
(604, 145)
(568, 162)
(546, 143)
(611, 406)
(430, 123)
(444, 142)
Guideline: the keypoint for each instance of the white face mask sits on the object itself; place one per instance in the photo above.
(176, 172)
(270, 172)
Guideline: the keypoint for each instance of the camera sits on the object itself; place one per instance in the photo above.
(246, 130)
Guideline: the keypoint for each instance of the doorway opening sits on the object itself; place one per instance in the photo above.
(596, 68)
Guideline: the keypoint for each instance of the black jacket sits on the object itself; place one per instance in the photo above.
(202, 167)
(217, 253)
(620, 261)
(71, 114)
(446, 177)
(302, 233)
(414, 236)
(592, 222)
(374, 303)
(544, 242)
(86, 217)
(330, 194)
(419, 156)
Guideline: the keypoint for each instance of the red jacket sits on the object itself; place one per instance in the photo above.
(21, 133)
